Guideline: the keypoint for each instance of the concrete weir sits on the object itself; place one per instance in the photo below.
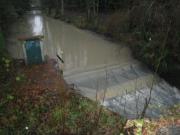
(111, 81)
(125, 90)
(100, 69)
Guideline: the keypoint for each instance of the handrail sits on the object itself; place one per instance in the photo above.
(60, 58)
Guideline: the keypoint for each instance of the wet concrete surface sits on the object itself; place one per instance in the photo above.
(170, 130)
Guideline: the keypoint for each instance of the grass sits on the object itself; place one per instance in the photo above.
(38, 102)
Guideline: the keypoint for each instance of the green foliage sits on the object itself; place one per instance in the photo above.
(6, 68)
(2, 42)
(10, 10)
(173, 111)
(20, 78)
(117, 23)
(80, 22)
(58, 114)
(23, 115)
(106, 119)
(139, 124)
(73, 118)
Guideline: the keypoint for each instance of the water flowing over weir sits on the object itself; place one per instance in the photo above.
(98, 67)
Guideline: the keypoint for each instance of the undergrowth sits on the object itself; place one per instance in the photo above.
(29, 108)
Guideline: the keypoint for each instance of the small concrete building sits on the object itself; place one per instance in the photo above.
(26, 38)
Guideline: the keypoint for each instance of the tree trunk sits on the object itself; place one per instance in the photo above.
(97, 7)
(94, 7)
(88, 9)
(62, 7)
(57, 8)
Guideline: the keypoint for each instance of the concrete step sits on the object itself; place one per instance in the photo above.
(131, 104)
(112, 81)
(131, 85)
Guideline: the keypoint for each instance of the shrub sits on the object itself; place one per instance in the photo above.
(80, 22)
(6, 67)
(117, 23)
(2, 42)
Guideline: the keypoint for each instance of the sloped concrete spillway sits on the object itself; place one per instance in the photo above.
(103, 70)
(98, 67)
